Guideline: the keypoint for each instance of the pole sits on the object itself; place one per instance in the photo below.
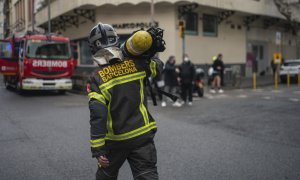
(183, 46)
(254, 80)
(299, 78)
(32, 15)
(49, 15)
(288, 81)
(152, 12)
(276, 80)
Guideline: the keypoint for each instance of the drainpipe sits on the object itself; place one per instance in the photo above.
(152, 12)
(32, 15)
(49, 19)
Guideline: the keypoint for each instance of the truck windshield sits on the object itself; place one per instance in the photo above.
(5, 49)
(47, 49)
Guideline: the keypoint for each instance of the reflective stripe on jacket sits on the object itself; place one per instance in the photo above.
(120, 90)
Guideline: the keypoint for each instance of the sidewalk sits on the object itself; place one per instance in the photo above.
(80, 81)
(247, 82)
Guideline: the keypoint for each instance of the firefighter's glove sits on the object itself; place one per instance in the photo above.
(99, 151)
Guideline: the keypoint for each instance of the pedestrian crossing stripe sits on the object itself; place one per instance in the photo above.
(267, 97)
(258, 90)
(294, 99)
(242, 96)
(296, 92)
(276, 91)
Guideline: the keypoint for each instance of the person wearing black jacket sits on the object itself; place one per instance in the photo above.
(218, 67)
(170, 79)
(186, 77)
(121, 126)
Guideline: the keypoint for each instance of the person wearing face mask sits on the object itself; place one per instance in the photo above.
(186, 79)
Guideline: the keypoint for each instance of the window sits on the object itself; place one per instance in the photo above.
(210, 25)
(85, 53)
(46, 49)
(5, 49)
(191, 23)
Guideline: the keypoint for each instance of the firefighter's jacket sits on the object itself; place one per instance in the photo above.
(119, 117)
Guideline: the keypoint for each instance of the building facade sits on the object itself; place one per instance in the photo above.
(1, 19)
(246, 32)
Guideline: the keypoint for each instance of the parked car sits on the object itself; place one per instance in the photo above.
(291, 67)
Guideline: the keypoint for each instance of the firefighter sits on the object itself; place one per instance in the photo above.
(121, 126)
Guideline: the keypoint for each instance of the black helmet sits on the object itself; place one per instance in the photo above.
(102, 36)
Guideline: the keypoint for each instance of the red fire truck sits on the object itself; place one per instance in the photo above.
(37, 62)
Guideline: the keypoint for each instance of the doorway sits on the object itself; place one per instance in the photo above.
(259, 51)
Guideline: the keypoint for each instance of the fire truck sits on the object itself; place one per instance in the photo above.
(37, 62)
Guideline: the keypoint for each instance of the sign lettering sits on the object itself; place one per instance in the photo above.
(49, 63)
(135, 25)
(116, 70)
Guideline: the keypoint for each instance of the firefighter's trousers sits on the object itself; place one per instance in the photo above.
(142, 162)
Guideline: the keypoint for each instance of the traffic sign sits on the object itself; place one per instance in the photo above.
(277, 58)
(278, 38)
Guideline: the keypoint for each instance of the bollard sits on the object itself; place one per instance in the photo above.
(288, 79)
(299, 78)
(276, 81)
(254, 81)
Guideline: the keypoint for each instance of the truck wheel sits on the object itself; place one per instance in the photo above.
(62, 92)
(19, 89)
(6, 84)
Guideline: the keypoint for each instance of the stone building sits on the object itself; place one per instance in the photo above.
(242, 30)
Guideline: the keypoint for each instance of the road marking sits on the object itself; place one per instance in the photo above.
(242, 96)
(221, 96)
(258, 90)
(208, 96)
(267, 97)
(276, 91)
(240, 90)
(294, 99)
(196, 99)
(296, 92)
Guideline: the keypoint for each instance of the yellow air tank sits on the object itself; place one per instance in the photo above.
(139, 43)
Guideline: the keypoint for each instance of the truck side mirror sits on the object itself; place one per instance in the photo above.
(21, 54)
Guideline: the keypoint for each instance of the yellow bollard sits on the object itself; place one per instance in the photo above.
(288, 79)
(254, 81)
(276, 81)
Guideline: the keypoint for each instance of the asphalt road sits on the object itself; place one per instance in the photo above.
(238, 135)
